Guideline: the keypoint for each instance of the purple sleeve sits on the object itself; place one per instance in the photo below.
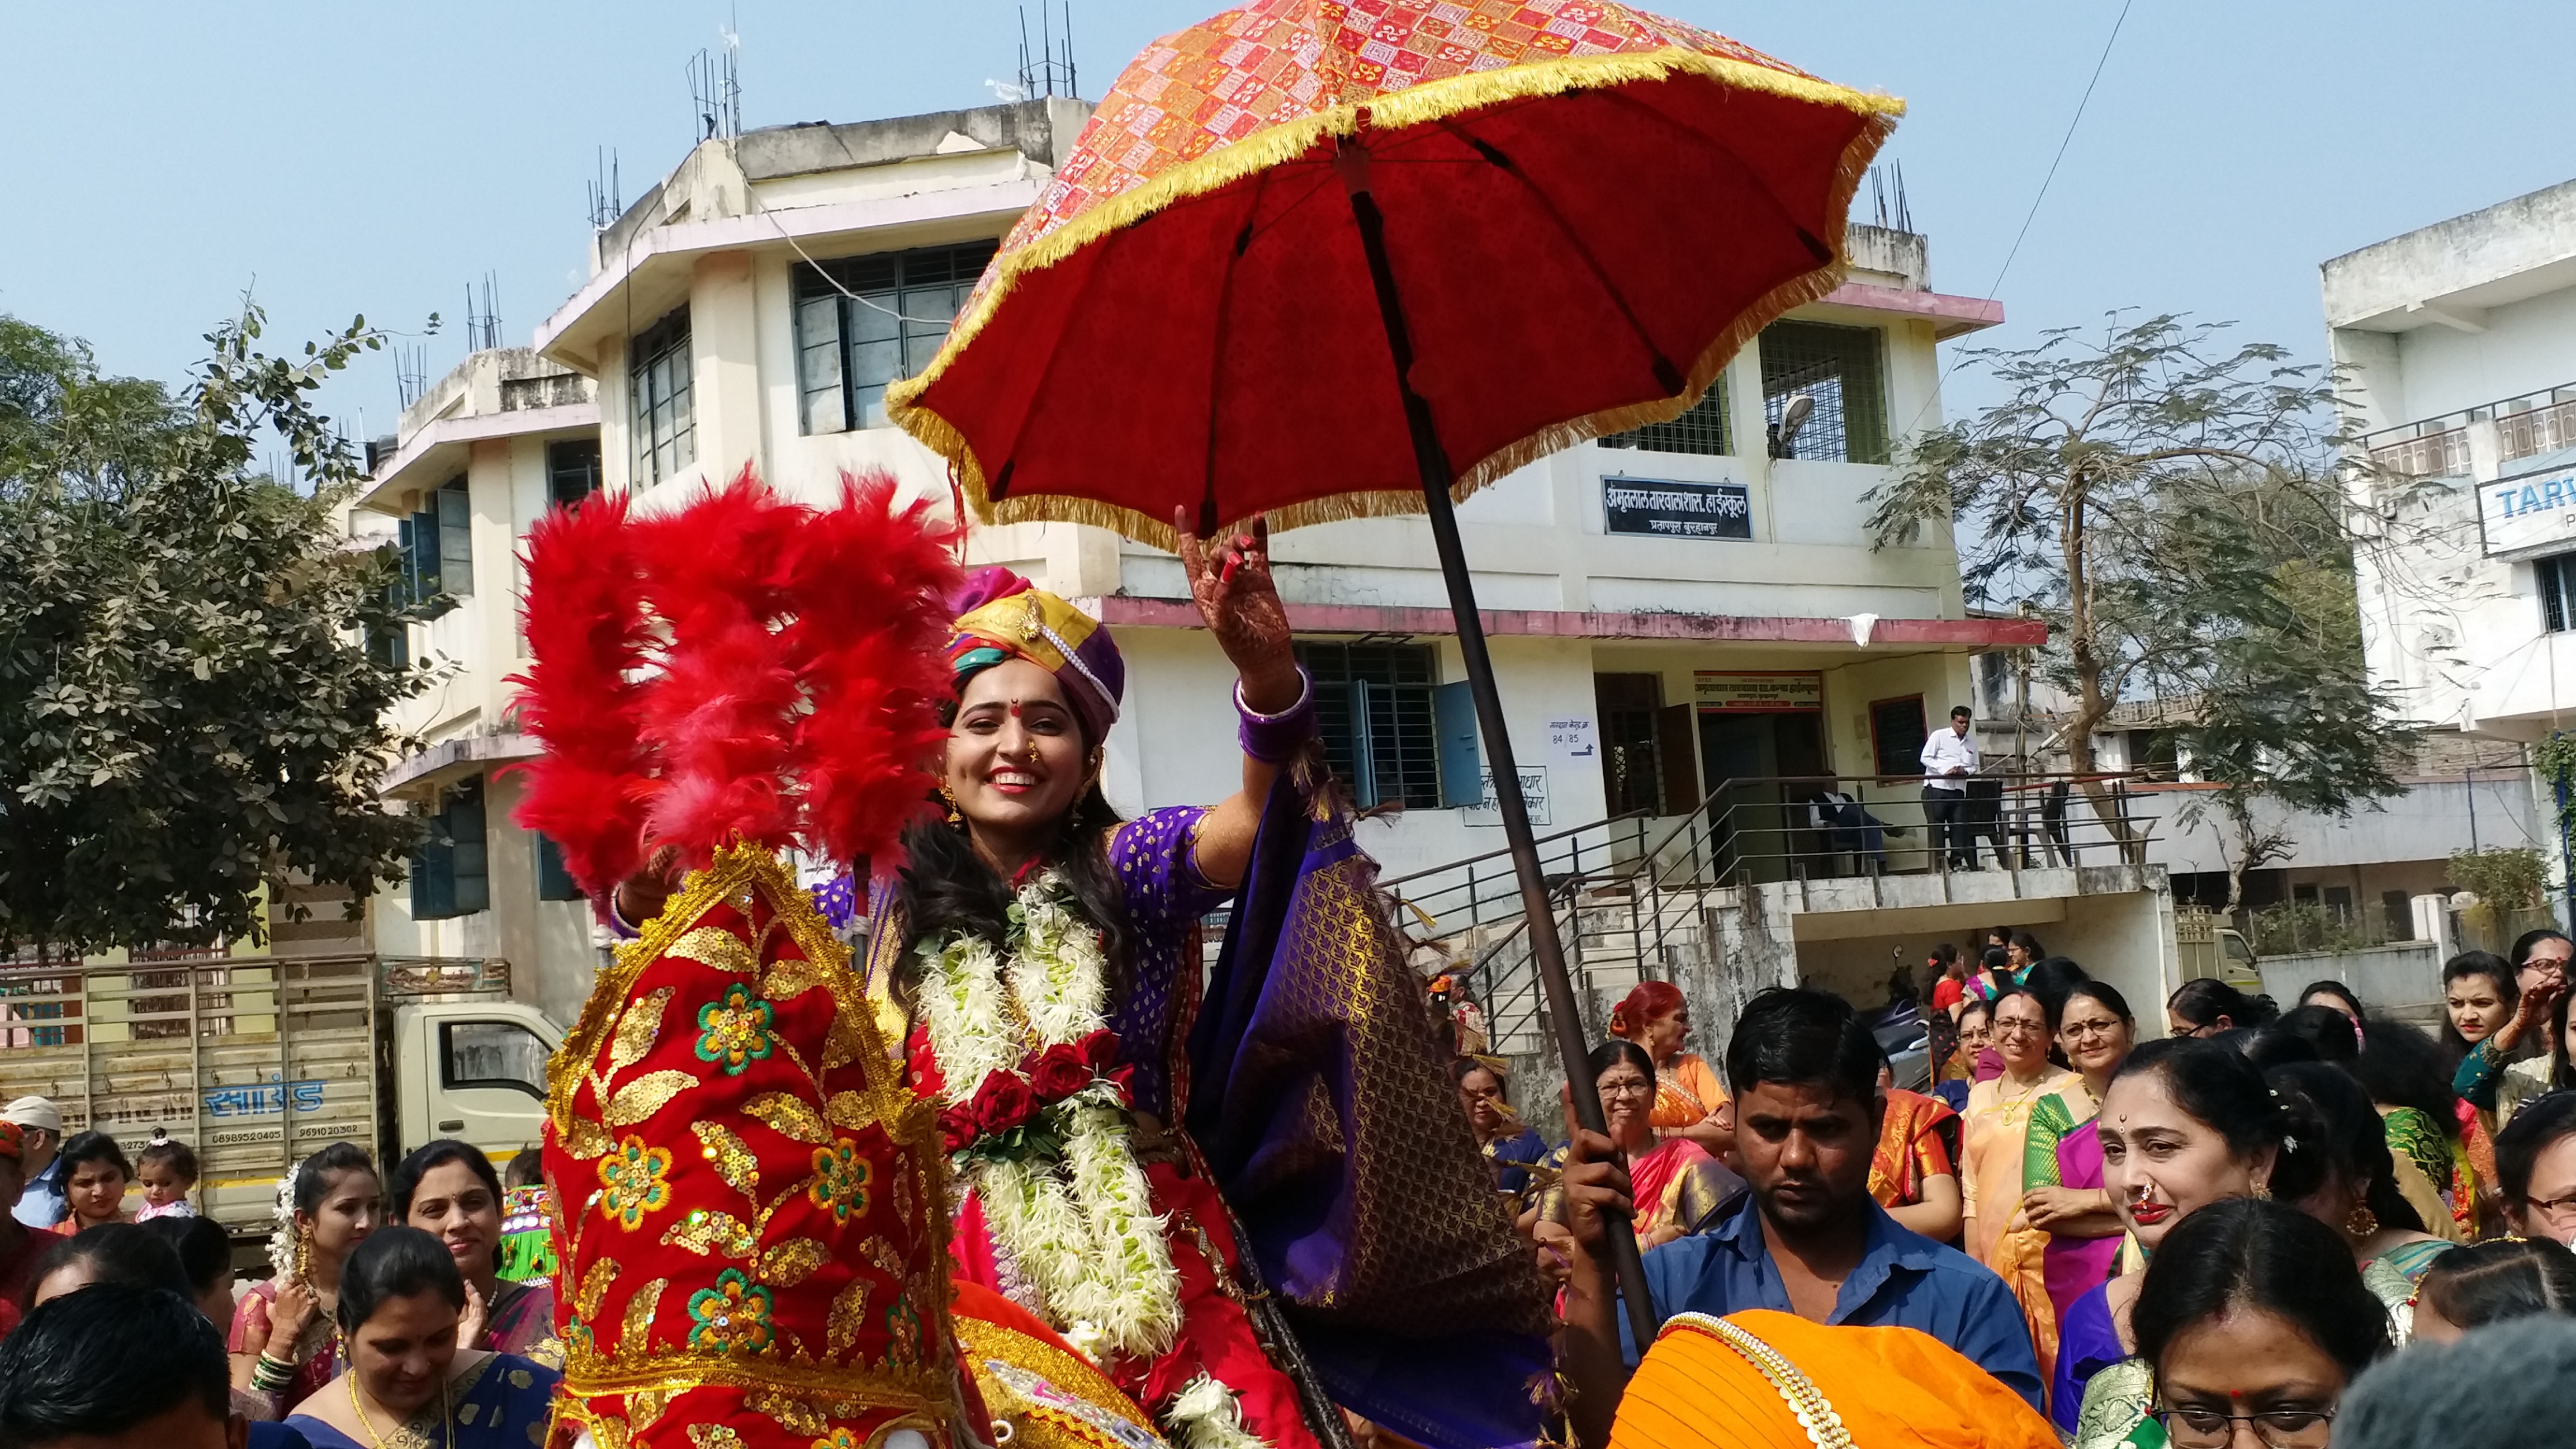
(1153, 857)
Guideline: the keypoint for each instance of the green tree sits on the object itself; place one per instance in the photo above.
(2173, 504)
(188, 710)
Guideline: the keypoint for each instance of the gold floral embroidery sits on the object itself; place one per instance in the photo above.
(636, 1030)
(731, 1156)
(734, 1030)
(789, 1116)
(644, 1096)
(714, 1436)
(792, 1262)
(705, 1232)
(733, 1316)
(635, 1180)
(594, 1287)
(795, 1415)
(841, 1180)
(639, 1316)
(848, 1317)
(713, 946)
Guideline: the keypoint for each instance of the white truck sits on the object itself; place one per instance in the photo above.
(258, 1062)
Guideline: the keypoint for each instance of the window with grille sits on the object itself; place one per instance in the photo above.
(1631, 761)
(572, 470)
(450, 872)
(657, 378)
(1701, 430)
(884, 320)
(1838, 370)
(1374, 705)
(2556, 576)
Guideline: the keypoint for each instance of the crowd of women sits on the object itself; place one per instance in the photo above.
(401, 1311)
(2223, 1227)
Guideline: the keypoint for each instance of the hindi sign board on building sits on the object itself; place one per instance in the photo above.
(2528, 515)
(1769, 693)
(1659, 508)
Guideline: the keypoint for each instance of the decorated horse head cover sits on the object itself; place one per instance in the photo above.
(751, 1249)
(750, 1244)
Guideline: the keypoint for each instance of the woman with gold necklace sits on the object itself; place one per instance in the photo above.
(1997, 1231)
(1039, 958)
(408, 1386)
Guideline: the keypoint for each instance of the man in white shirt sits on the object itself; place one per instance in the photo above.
(1949, 758)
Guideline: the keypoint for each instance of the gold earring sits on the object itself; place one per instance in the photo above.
(954, 814)
(2361, 1222)
(2262, 1189)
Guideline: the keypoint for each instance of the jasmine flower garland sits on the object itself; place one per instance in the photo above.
(1067, 1202)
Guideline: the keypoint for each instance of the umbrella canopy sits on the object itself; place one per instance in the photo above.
(1587, 210)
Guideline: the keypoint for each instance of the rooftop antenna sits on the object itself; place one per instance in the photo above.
(411, 371)
(1050, 71)
(483, 323)
(605, 204)
(1887, 196)
(715, 89)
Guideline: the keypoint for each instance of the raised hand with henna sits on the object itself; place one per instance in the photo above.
(1230, 581)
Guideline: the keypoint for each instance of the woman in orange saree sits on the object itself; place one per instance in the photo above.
(1912, 1173)
(1689, 1101)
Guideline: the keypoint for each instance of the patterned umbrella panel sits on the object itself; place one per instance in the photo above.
(1588, 209)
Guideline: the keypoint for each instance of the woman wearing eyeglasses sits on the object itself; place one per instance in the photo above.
(1998, 1231)
(1678, 1187)
(2253, 1319)
(2536, 1168)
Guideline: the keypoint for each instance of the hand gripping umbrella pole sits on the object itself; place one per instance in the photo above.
(1546, 949)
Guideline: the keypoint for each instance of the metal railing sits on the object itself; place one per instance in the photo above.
(1631, 891)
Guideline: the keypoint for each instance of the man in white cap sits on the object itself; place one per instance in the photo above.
(40, 1125)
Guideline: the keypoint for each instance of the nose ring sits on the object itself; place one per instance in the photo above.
(1033, 752)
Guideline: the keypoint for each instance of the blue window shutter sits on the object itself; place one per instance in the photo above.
(1453, 713)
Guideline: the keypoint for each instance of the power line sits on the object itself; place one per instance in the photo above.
(2062, 143)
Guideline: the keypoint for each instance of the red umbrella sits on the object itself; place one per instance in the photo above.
(1326, 259)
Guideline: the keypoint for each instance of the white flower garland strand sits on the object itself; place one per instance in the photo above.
(1205, 1416)
(1086, 1237)
(281, 1243)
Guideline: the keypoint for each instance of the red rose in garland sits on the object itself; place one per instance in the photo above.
(1002, 1103)
(1059, 1072)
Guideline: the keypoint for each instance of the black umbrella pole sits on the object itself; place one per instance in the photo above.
(1545, 948)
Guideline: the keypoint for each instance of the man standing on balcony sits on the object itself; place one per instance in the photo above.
(1949, 759)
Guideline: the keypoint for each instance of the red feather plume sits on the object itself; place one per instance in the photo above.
(584, 618)
(869, 586)
(799, 681)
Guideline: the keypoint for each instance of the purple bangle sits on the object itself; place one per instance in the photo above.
(1274, 739)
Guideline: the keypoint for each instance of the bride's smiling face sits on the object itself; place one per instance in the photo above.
(1015, 759)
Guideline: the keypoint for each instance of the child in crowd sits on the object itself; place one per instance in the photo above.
(168, 1171)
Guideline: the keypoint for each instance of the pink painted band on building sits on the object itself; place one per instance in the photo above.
(1565, 624)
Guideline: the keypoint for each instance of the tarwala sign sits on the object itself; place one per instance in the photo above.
(1713, 689)
(2528, 515)
(1663, 509)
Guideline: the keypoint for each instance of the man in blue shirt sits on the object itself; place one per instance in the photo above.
(1808, 1238)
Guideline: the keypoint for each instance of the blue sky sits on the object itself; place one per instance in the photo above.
(378, 158)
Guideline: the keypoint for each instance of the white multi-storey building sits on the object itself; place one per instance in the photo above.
(1687, 611)
(2456, 347)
